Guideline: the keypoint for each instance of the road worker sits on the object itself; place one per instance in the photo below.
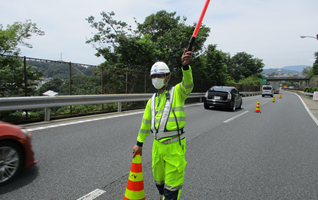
(165, 118)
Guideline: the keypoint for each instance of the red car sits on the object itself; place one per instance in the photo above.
(15, 151)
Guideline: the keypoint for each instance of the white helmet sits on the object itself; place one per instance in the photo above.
(159, 68)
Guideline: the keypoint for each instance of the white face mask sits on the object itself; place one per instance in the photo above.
(158, 83)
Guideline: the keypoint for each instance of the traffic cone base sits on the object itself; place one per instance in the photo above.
(133, 195)
(280, 96)
(135, 185)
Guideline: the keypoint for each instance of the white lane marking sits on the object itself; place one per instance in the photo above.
(96, 119)
(227, 121)
(309, 112)
(83, 121)
(264, 103)
(92, 195)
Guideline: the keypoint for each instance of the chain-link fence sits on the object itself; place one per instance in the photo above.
(69, 78)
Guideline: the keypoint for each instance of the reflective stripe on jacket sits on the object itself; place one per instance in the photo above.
(180, 94)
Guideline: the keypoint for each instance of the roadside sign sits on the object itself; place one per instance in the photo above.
(315, 96)
(264, 81)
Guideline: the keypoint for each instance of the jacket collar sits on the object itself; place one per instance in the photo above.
(169, 87)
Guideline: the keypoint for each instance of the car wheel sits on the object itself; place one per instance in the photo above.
(206, 106)
(262, 95)
(241, 104)
(233, 108)
(11, 162)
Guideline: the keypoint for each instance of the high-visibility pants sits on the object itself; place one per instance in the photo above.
(168, 164)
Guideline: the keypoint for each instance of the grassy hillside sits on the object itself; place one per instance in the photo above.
(60, 70)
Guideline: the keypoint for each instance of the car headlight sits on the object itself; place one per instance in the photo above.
(26, 132)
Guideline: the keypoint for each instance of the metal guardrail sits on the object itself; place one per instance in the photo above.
(250, 93)
(307, 93)
(26, 103)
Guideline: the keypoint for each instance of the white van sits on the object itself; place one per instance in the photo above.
(267, 90)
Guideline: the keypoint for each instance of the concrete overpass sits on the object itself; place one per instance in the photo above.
(287, 78)
(294, 79)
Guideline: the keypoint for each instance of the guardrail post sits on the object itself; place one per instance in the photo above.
(145, 82)
(119, 106)
(25, 83)
(25, 77)
(102, 69)
(102, 92)
(47, 114)
(70, 84)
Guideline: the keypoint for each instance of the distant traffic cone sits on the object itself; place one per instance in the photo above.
(273, 99)
(280, 95)
(135, 185)
(258, 109)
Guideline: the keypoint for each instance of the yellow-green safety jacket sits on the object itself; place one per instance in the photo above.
(161, 112)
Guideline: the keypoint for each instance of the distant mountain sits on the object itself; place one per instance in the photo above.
(286, 70)
(298, 68)
(283, 71)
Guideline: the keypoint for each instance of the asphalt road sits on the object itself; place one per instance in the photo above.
(231, 155)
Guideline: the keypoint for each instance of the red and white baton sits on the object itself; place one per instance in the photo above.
(196, 30)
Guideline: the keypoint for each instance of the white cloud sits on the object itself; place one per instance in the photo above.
(269, 30)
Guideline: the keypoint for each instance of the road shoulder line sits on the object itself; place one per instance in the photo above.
(309, 112)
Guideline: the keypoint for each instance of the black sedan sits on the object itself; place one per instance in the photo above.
(223, 96)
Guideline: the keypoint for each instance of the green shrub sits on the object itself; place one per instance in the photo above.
(308, 89)
(314, 89)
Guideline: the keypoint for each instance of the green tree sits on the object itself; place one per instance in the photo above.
(16, 34)
(308, 71)
(244, 65)
(12, 79)
(215, 66)
(81, 85)
(54, 85)
(251, 80)
(11, 69)
(162, 37)
(119, 45)
(170, 35)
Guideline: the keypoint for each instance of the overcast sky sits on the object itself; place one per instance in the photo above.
(268, 29)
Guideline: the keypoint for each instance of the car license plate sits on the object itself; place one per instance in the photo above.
(217, 97)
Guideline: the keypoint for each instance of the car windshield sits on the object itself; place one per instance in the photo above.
(225, 89)
(267, 88)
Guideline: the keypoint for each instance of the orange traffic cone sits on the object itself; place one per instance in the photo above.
(135, 185)
(258, 109)
(280, 96)
(273, 99)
